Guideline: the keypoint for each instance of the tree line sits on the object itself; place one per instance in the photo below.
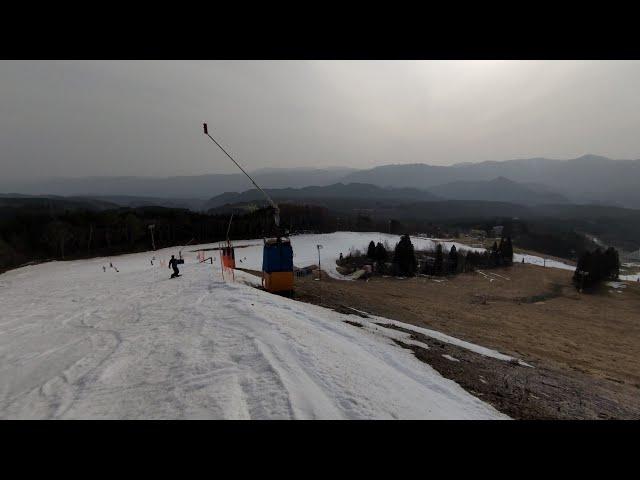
(36, 234)
(407, 262)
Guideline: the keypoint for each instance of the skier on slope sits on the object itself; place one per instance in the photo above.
(173, 263)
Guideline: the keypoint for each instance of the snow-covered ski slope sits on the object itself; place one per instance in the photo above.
(306, 251)
(77, 342)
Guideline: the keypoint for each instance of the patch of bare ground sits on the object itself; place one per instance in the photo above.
(585, 348)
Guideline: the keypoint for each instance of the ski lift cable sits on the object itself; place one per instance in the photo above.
(273, 204)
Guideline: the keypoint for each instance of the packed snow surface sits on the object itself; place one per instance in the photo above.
(80, 342)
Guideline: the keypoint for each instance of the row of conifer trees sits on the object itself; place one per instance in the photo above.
(405, 261)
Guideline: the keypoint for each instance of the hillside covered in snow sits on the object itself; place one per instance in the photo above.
(80, 342)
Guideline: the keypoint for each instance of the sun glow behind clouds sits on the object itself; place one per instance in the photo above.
(143, 118)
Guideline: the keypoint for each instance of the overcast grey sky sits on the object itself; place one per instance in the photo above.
(144, 117)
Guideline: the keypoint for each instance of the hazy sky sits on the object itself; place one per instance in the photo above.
(144, 117)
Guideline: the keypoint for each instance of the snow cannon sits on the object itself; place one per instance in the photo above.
(228, 256)
(277, 266)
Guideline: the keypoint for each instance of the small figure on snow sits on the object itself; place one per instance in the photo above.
(104, 269)
(173, 263)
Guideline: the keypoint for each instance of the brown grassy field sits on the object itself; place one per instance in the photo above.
(587, 346)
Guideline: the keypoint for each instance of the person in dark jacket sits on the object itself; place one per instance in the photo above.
(173, 263)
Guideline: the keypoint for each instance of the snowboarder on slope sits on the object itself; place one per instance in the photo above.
(173, 263)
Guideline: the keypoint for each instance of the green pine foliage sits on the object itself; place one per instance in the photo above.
(438, 266)
(453, 259)
(381, 254)
(404, 257)
(371, 251)
(595, 267)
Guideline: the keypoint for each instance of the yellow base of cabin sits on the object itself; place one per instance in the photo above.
(278, 281)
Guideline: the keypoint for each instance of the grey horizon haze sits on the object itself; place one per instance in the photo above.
(144, 118)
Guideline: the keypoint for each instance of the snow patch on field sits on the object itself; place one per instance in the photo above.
(532, 259)
(630, 278)
(541, 262)
(487, 352)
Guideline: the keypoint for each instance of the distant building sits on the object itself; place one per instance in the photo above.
(497, 230)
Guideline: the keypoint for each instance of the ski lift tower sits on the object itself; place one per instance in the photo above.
(319, 267)
(153, 243)
(277, 254)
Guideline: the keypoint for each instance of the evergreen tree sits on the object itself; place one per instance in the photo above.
(598, 270)
(493, 256)
(438, 266)
(582, 274)
(612, 263)
(594, 267)
(507, 251)
(380, 253)
(371, 251)
(404, 257)
(453, 259)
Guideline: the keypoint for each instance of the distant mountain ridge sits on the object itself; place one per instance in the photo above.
(190, 187)
(54, 203)
(586, 179)
(339, 190)
(499, 189)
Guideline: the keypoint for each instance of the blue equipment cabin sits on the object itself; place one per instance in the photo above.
(277, 265)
